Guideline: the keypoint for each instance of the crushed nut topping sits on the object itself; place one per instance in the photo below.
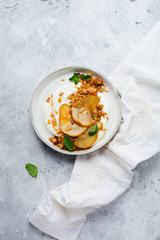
(61, 94)
(48, 100)
(52, 102)
(59, 100)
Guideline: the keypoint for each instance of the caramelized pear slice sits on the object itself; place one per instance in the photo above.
(83, 110)
(85, 141)
(90, 102)
(82, 116)
(67, 125)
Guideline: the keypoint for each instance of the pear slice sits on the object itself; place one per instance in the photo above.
(82, 112)
(82, 116)
(67, 125)
(90, 101)
(85, 141)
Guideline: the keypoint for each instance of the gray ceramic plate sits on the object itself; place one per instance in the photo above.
(46, 87)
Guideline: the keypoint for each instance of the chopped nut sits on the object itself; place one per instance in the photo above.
(61, 145)
(59, 99)
(61, 94)
(97, 81)
(51, 139)
(100, 106)
(55, 140)
(61, 134)
(54, 123)
(60, 139)
(48, 99)
(101, 90)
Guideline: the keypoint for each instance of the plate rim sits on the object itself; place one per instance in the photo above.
(83, 151)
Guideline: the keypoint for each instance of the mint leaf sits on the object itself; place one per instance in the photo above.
(32, 169)
(85, 77)
(68, 142)
(75, 78)
(76, 81)
(93, 131)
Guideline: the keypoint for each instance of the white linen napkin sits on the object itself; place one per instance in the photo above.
(100, 177)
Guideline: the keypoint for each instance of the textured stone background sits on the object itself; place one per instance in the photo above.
(36, 38)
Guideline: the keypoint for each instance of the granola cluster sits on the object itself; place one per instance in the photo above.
(90, 87)
(58, 142)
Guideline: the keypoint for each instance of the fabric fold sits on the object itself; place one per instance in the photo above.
(52, 218)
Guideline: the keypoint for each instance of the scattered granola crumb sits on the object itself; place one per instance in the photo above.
(62, 80)
(97, 81)
(54, 123)
(48, 99)
(49, 121)
(61, 94)
(51, 139)
(55, 140)
(52, 102)
(61, 145)
(59, 99)
(101, 90)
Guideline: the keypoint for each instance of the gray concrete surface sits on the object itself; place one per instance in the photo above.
(36, 38)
